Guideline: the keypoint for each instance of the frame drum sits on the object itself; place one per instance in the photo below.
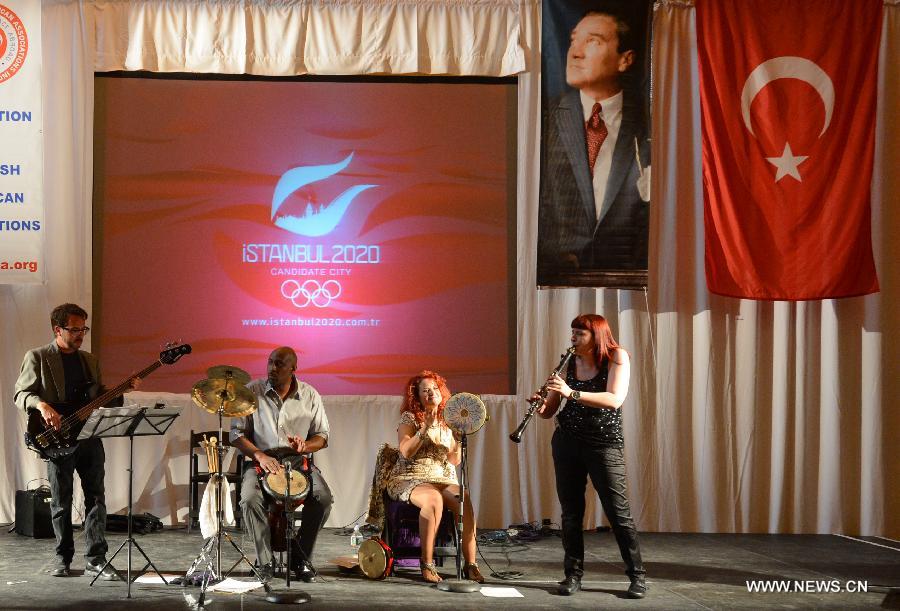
(375, 558)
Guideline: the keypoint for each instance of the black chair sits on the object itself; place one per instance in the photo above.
(199, 476)
(401, 533)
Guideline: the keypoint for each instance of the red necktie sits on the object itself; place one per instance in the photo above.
(596, 134)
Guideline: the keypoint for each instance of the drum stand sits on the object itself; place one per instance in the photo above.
(211, 554)
(459, 584)
(298, 597)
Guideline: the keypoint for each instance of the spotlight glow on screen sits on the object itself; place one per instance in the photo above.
(366, 224)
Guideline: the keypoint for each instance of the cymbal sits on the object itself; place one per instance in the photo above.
(226, 372)
(208, 395)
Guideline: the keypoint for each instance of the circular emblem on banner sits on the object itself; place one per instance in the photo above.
(13, 43)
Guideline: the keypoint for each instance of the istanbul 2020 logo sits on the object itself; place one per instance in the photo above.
(13, 43)
(313, 223)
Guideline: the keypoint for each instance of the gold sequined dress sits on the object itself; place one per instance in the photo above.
(428, 465)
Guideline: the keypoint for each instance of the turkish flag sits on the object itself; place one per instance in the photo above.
(787, 98)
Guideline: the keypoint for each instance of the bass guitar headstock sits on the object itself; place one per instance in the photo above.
(173, 352)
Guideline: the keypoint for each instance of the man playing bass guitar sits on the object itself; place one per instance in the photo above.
(59, 373)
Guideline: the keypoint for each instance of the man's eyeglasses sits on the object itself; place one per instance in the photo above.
(77, 330)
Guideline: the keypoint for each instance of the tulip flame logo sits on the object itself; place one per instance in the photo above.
(313, 223)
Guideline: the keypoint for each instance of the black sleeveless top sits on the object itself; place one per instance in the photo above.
(595, 427)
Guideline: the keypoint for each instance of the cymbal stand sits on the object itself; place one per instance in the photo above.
(213, 565)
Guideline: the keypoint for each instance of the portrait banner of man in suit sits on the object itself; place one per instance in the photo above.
(595, 144)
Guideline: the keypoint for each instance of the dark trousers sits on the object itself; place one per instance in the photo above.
(88, 460)
(254, 504)
(574, 461)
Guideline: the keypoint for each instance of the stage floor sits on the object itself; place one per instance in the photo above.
(684, 571)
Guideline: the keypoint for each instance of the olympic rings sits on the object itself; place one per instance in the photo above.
(311, 292)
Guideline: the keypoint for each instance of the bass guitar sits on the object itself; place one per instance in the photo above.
(50, 443)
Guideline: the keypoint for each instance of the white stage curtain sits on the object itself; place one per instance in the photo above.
(770, 416)
(471, 37)
(742, 416)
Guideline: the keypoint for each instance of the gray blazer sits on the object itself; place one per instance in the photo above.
(42, 377)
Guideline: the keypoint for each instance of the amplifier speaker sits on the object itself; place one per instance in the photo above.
(33, 513)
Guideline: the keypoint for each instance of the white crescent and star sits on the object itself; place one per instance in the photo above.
(787, 67)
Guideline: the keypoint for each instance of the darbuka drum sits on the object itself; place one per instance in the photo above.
(375, 558)
(276, 484)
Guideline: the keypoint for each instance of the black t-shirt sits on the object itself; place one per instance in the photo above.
(73, 369)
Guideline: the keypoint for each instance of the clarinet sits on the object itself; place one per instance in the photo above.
(516, 435)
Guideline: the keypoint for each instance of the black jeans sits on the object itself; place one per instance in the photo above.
(573, 461)
(254, 504)
(88, 460)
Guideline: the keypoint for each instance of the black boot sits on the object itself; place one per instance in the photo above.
(638, 587)
(574, 568)
(569, 585)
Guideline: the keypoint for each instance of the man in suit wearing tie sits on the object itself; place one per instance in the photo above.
(593, 214)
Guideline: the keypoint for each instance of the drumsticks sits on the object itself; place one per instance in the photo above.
(212, 454)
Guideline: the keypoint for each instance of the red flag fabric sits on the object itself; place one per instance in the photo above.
(787, 96)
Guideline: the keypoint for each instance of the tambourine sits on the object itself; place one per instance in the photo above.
(375, 558)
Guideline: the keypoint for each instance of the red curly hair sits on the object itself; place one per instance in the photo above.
(411, 401)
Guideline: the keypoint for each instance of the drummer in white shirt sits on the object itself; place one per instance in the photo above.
(290, 416)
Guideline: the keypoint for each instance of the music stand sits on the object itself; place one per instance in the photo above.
(131, 422)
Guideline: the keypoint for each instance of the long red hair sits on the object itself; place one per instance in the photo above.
(411, 401)
(605, 345)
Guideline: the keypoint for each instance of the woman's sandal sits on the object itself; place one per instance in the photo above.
(429, 572)
(471, 572)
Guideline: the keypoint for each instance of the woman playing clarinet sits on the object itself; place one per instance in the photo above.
(588, 442)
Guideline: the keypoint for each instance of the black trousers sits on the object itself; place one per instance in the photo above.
(573, 461)
(254, 504)
(88, 460)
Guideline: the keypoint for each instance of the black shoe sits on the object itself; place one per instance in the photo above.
(107, 574)
(60, 569)
(638, 588)
(305, 572)
(569, 585)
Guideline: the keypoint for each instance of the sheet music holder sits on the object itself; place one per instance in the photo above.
(131, 422)
(136, 420)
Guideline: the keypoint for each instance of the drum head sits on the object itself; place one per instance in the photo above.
(374, 558)
(276, 485)
(465, 413)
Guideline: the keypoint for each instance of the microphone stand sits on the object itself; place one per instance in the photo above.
(297, 597)
(459, 584)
